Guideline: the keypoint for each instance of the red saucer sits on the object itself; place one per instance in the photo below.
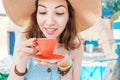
(52, 58)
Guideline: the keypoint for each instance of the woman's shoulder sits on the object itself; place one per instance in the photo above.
(78, 51)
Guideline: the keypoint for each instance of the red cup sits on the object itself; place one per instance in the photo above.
(46, 46)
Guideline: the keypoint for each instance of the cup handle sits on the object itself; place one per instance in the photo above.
(35, 50)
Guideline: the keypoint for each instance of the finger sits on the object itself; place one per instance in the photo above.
(35, 51)
(63, 62)
(27, 50)
(29, 42)
(37, 62)
(38, 53)
(44, 63)
(34, 43)
(37, 47)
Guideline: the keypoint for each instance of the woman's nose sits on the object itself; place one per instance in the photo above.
(50, 21)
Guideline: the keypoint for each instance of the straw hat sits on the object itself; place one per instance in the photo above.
(87, 12)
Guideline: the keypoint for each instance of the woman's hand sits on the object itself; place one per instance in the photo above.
(64, 62)
(24, 51)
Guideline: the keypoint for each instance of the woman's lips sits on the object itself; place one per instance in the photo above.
(50, 31)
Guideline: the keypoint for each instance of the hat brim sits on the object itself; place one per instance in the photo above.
(87, 12)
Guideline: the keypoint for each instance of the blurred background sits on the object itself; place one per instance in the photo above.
(100, 54)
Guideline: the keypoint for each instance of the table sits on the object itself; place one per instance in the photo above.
(93, 66)
(92, 71)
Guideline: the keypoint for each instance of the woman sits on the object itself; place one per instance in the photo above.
(60, 19)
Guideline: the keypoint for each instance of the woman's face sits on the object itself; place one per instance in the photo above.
(52, 17)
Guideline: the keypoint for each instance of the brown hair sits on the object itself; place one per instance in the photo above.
(67, 38)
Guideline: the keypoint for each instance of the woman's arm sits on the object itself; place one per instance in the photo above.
(22, 54)
(77, 63)
(21, 68)
(74, 73)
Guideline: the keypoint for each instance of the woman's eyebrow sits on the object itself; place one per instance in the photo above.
(55, 7)
(60, 6)
(41, 5)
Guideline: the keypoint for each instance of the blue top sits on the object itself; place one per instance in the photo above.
(39, 72)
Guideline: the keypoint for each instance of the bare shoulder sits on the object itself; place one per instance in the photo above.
(78, 52)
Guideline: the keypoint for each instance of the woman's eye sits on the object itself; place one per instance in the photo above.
(60, 14)
(42, 12)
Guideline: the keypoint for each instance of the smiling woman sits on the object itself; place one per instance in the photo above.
(60, 19)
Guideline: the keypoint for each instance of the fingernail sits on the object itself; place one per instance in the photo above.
(35, 62)
(42, 63)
